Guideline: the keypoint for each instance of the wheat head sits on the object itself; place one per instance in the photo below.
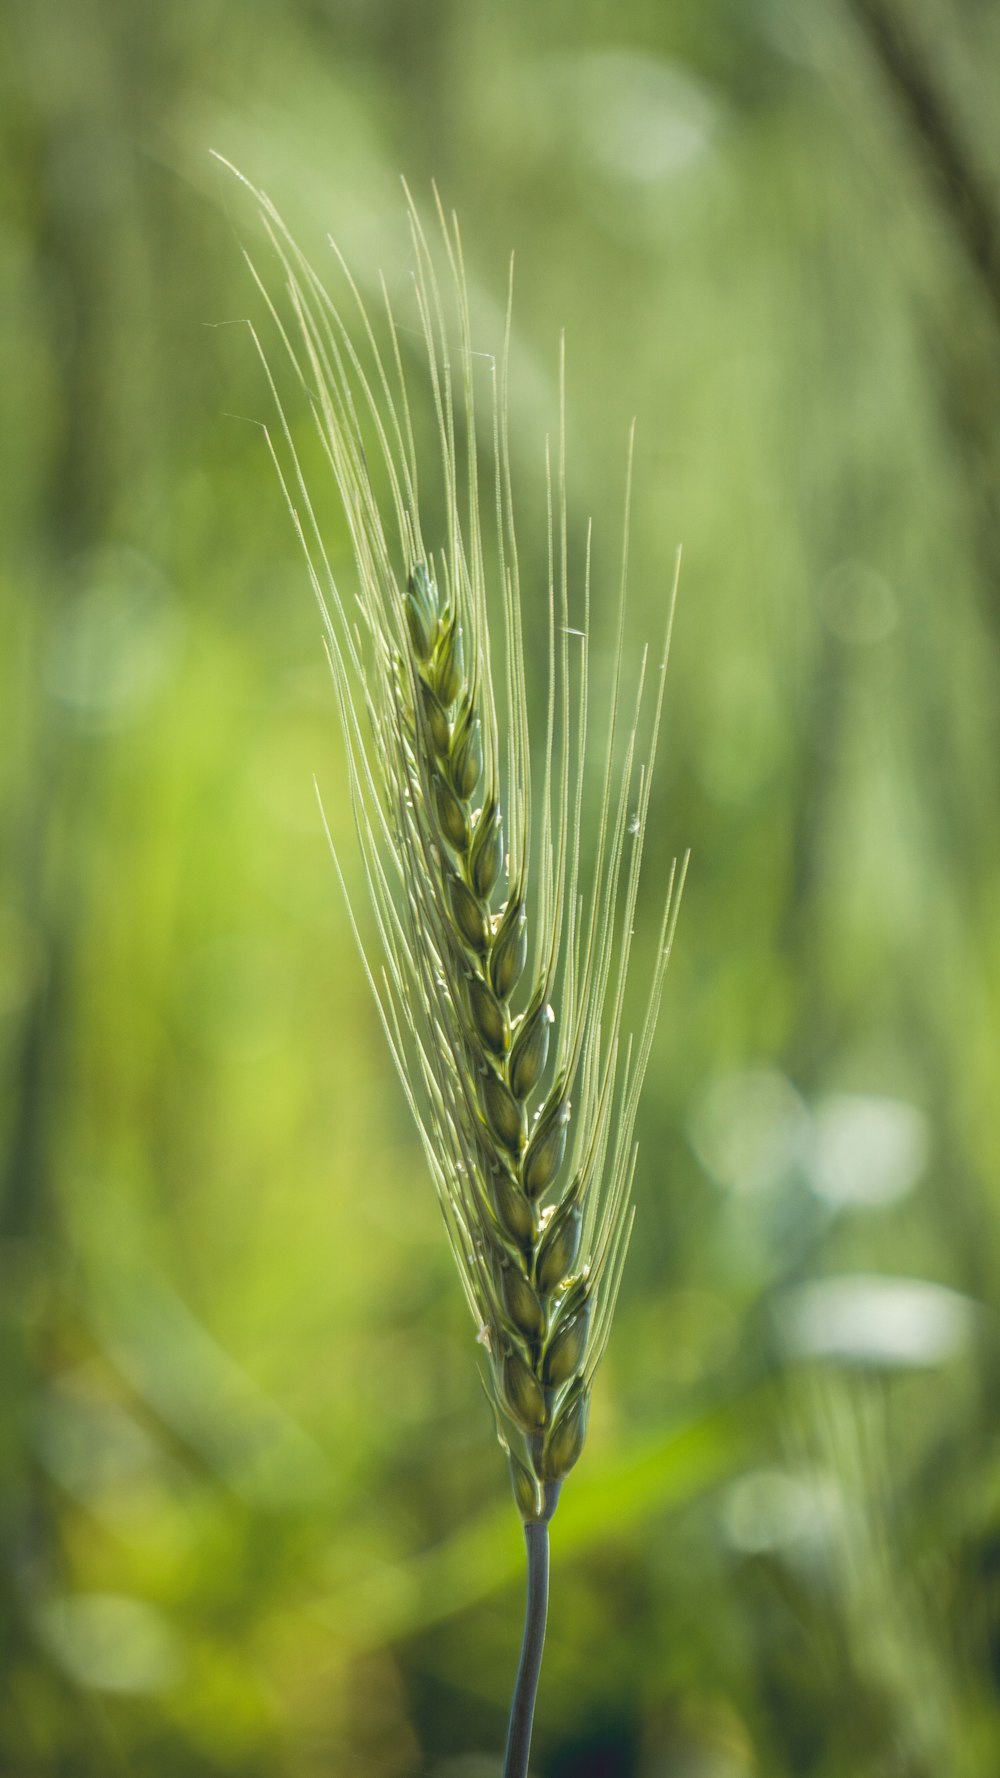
(503, 961)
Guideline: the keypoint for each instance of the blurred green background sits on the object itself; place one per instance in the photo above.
(254, 1520)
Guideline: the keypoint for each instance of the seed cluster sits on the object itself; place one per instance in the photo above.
(538, 1303)
(427, 654)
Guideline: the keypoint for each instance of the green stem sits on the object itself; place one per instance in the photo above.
(522, 1710)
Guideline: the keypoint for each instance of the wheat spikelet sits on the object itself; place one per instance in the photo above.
(502, 983)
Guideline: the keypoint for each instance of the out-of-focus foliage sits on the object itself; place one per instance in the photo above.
(253, 1518)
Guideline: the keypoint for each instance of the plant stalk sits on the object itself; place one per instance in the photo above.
(522, 1710)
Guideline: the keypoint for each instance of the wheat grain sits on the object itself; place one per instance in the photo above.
(515, 1067)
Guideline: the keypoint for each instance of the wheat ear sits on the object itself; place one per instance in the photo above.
(501, 985)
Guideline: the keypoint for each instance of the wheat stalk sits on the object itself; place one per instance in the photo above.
(501, 985)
